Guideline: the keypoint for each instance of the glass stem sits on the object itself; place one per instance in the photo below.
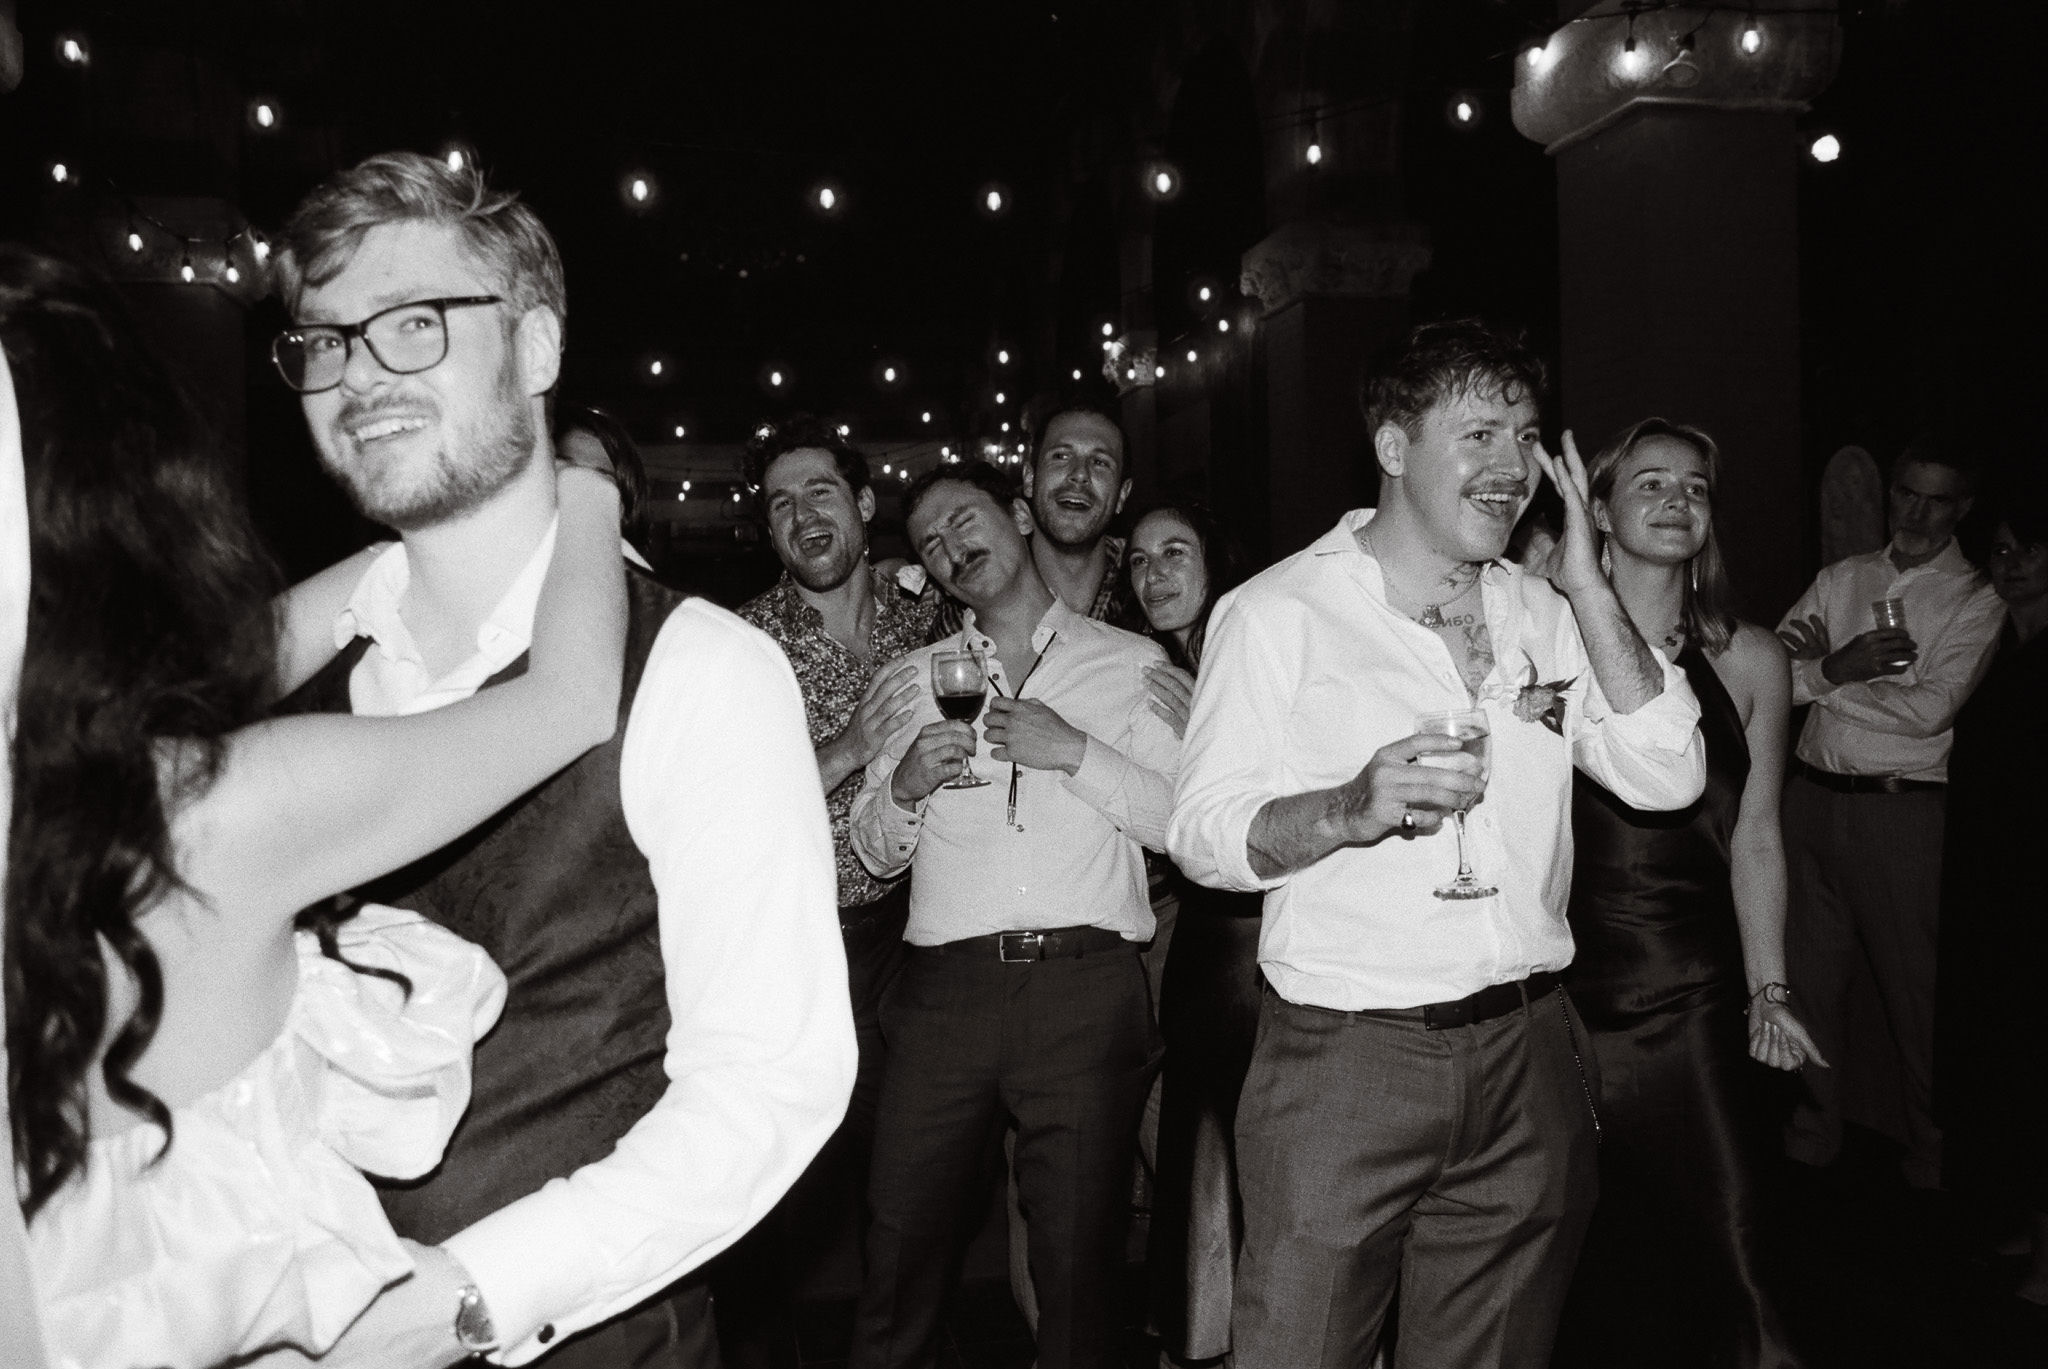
(1464, 868)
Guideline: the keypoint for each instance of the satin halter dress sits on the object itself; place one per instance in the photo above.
(1669, 1273)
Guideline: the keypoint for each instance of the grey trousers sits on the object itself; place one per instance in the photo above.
(1455, 1167)
(1865, 875)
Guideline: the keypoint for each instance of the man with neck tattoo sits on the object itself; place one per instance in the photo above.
(1419, 1111)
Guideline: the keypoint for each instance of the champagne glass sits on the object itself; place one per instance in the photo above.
(1466, 726)
(960, 687)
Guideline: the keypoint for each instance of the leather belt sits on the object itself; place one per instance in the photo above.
(1864, 784)
(1495, 1000)
(1053, 943)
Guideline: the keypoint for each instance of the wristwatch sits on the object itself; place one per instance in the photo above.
(473, 1327)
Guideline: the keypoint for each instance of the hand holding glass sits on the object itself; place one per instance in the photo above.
(1468, 728)
(960, 687)
(1891, 613)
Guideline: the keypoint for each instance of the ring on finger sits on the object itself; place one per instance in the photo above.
(1407, 820)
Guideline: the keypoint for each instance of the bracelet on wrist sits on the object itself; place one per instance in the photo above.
(1774, 992)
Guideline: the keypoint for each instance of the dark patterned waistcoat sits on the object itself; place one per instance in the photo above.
(555, 889)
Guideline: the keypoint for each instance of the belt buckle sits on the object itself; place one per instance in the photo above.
(1030, 945)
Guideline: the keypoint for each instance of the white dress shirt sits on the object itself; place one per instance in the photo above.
(1073, 857)
(1307, 672)
(1895, 724)
(720, 791)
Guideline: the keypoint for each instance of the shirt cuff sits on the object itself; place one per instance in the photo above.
(524, 1293)
(1665, 723)
(1808, 683)
(1100, 775)
(900, 830)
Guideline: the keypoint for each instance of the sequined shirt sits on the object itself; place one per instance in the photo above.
(833, 681)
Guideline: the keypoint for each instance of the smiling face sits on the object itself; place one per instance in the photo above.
(1168, 572)
(1925, 503)
(414, 450)
(2019, 570)
(1467, 473)
(1662, 503)
(1076, 482)
(973, 546)
(816, 521)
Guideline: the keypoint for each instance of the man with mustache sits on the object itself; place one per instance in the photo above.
(1022, 998)
(676, 1043)
(1865, 802)
(843, 624)
(1418, 1113)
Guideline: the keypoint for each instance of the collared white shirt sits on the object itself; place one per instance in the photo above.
(1895, 724)
(1073, 856)
(720, 790)
(1307, 672)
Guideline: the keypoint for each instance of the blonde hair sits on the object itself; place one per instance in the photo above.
(505, 236)
(1705, 609)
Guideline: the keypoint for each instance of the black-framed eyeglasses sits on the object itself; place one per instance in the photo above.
(405, 339)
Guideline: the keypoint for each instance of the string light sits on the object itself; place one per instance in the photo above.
(1464, 112)
(1314, 155)
(71, 50)
(263, 115)
(992, 200)
(1002, 359)
(1161, 180)
(1538, 55)
(925, 417)
(233, 274)
(185, 271)
(1191, 354)
(456, 159)
(1826, 148)
(1006, 427)
(60, 173)
(999, 396)
(654, 368)
(1752, 39)
(775, 377)
(262, 246)
(827, 197)
(1205, 294)
(1632, 61)
(886, 470)
(1077, 373)
(1109, 330)
(845, 431)
(134, 238)
(889, 374)
(679, 430)
(1159, 372)
(1223, 325)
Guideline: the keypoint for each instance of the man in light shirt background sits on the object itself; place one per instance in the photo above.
(676, 1042)
(1023, 999)
(1418, 1113)
(1865, 802)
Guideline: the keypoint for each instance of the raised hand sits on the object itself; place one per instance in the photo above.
(939, 753)
(890, 699)
(1173, 695)
(1575, 564)
(1033, 735)
(1395, 783)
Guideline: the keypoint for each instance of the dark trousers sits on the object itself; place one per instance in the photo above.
(1065, 1048)
(1456, 1166)
(672, 1330)
(1865, 874)
(757, 1279)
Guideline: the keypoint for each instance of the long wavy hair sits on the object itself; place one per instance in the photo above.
(1706, 605)
(148, 625)
(1224, 565)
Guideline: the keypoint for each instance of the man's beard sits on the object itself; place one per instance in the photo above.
(492, 453)
(1097, 526)
(820, 577)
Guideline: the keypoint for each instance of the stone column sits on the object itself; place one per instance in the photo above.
(1678, 249)
(1332, 293)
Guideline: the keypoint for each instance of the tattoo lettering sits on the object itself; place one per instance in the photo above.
(1478, 661)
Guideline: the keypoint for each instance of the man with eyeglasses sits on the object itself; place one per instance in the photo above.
(677, 1043)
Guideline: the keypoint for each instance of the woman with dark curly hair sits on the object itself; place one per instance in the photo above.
(1181, 560)
(192, 1084)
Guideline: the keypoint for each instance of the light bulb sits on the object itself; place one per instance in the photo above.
(1162, 182)
(827, 198)
(233, 273)
(845, 431)
(262, 250)
(654, 368)
(1191, 354)
(1109, 330)
(455, 159)
(686, 484)
(775, 377)
(1464, 111)
(1752, 39)
(889, 374)
(187, 274)
(266, 116)
(1536, 55)
(994, 201)
(1223, 325)
(1002, 359)
(134, 241)
(1006, 427)
(999, 396)
(71, 51)
(886, 470)
(679, 430)
(639, 190)
(1633, 61)
(60, 173)
(1314, 153)
(1077, 373)
(1204, 294)
(1159, 373)
(925, 417)
(1826, 148)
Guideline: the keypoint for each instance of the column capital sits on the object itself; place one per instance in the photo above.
(1584, 77)
(1321, 257)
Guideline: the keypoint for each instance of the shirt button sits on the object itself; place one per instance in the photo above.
(547, 1333)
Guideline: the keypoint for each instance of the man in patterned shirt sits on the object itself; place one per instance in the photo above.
(841, 622)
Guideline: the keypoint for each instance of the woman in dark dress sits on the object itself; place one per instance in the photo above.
(1180, 560)
(1679, 924)
(1991, 1028)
